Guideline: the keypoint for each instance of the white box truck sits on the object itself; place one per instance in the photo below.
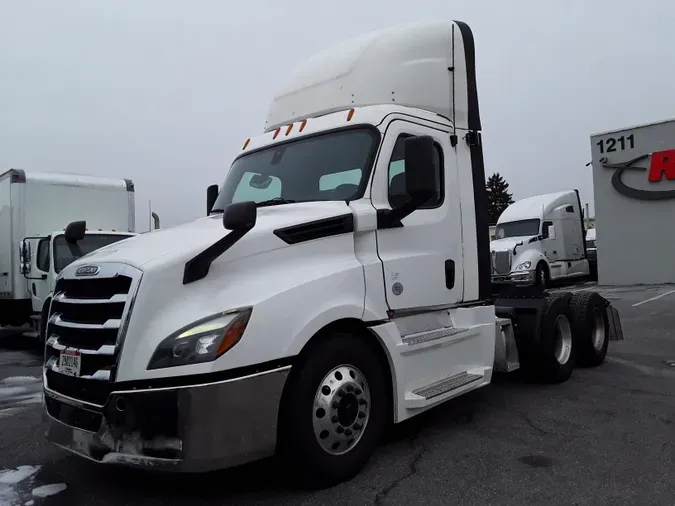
(35, 209)
(540, 239)
(340, 283)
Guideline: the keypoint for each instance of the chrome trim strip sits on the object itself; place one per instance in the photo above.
(100, 375)
(115, 299)
(199, 385)
(106, 349)
(83, 404)
(110, 324)
(136, 277)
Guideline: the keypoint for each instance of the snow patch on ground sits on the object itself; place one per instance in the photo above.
(17, 393)
(17, 487)
(47, 490)
(14, 476)
(20, 380)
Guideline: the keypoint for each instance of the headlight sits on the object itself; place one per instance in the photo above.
(524, 266)
(202, 341)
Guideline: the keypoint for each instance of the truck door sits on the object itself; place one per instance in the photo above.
(39, 277)
(422, 260)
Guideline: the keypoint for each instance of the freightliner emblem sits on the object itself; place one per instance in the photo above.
(87, 270)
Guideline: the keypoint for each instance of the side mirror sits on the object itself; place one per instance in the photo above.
(240, 216)
(551, 232)
(75, 231)
(420, 173)
(211, 196)
(24, 257)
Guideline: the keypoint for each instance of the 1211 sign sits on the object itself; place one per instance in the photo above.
(609, 145)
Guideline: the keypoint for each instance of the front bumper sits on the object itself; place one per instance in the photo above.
(190, 429)
(515, 277)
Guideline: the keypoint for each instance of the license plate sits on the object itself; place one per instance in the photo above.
(70, 362)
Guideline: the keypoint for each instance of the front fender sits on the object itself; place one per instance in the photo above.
(294, 292)
(533, 256)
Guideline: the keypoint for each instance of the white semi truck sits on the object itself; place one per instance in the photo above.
(340, 283)
(540, 239)
(35, 211)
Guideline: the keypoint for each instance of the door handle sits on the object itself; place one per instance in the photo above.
(5, 274)
(449, 274)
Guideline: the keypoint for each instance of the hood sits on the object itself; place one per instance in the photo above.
(182, 242)
(508, 243)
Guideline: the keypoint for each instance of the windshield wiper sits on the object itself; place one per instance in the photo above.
(275, 202)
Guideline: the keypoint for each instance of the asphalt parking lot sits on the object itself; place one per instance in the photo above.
(605, 437)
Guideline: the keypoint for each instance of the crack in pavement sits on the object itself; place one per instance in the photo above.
(412, 470)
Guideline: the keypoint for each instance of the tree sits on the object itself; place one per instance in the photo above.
(498, 196)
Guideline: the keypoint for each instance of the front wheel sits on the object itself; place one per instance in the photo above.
(334, 412)
(541, 275)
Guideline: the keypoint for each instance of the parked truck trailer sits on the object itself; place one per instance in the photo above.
(35, 210)
(341, 282)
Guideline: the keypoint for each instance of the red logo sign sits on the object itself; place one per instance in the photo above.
(663, 163)
(661, 167)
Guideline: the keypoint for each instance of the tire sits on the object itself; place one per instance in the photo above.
(541, 277)
(552, 357)
(590, 328)
(317, 421)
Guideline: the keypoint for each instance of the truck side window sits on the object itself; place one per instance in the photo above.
(544, 229)
(397, 190)
(256, 187)
(42, 260)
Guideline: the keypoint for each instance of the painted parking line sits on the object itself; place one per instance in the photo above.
(653, 298)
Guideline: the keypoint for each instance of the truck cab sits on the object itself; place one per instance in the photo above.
(43, 258)
(540, 239)
(340, 282)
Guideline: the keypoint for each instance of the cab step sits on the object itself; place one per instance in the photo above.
(413, 343)
(35, 317)
(32, 335)
(429, 394)
(431, 335)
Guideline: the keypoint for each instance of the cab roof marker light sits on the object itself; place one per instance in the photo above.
(288, 130)
(350, 114)
(276, 132)
(245, 144)
(302, 125)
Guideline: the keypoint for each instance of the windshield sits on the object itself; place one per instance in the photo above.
(332, 166)
(517, 229)
(65, 254)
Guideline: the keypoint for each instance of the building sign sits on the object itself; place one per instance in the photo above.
(661, 168)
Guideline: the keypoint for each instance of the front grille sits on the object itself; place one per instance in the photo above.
(89, 315)
(501, 262)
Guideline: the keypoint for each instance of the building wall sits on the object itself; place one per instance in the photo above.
(636, 232)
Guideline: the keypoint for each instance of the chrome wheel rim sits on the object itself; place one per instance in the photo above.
(341, 409)
(563, 339)
(598, 329)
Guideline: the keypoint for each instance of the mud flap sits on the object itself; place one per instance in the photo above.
(614, 322)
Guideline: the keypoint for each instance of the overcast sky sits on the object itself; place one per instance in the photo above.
(165, 92)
